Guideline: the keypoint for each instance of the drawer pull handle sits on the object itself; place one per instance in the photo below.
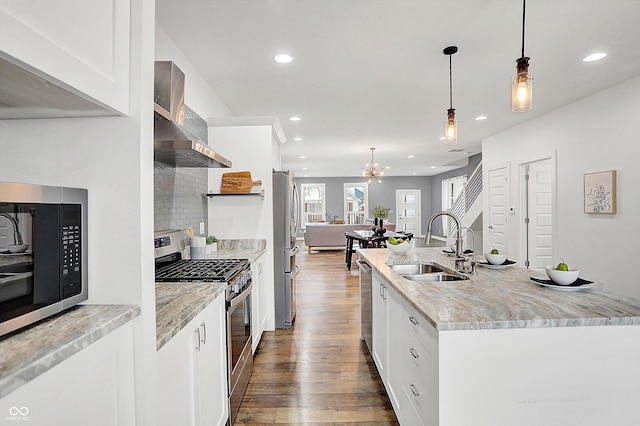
(413, 320)
(414, 390)
(414, 353)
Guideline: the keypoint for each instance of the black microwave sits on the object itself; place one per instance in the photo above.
(43, 252)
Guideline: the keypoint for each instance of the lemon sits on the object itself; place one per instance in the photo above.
(562, 266)
(495, 251)
(393, 241)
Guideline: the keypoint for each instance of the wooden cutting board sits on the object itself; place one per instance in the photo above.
(237, 183)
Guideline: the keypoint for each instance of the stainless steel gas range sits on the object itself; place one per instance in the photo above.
(171, 267)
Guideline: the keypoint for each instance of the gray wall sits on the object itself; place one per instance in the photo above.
(436, 188)
(383, 193)
(179, 197)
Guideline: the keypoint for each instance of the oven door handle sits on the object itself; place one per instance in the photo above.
(293, 251)
(239, 298)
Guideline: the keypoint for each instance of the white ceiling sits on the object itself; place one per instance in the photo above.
(371, 73)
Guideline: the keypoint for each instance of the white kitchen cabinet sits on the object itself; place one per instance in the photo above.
(419, 359)
(412, 372)
(192, 371)
(379, 294)
(81, 47)
(258, 303)
(95, 386)
(397, 336)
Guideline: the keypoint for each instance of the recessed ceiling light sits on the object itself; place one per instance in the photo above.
(433, 167)
(414, 173)
(481, 117)
(304, 168)
(594, 57)
(302, 157)
(442, 138)
(411, 156)
(283, 59)
(294, 118)
(298, 139)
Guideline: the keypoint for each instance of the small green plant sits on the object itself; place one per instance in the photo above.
(211, 239)
(380, 212)
(331, 218)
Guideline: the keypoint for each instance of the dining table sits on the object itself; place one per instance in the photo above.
(370, 239)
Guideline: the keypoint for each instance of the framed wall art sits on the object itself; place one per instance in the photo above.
(600, 192)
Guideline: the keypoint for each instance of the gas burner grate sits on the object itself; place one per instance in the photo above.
(200, 270)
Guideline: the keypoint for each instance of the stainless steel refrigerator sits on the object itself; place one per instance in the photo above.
(286, 223)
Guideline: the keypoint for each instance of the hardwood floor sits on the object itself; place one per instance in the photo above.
(319, 371)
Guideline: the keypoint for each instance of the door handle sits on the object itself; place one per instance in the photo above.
(197, 332)
(490, 226)
(204, 332)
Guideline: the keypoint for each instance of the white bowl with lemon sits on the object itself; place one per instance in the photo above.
(399, 245)
(496, 257)
(562, 274)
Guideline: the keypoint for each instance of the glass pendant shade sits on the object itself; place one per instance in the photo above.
(522, 87)
(451, 128)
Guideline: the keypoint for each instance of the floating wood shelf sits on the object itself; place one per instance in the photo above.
(243, 194)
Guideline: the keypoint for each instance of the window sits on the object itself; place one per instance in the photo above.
(356, 202)
(451, 189)
(313, 202)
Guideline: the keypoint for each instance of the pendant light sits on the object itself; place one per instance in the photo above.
(451, 125)
(522, 84)
(371, 170)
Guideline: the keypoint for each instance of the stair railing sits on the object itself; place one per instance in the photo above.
(470, 192)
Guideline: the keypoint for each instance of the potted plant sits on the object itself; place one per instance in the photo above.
(331, 218)
(212, 244)
(380, 212)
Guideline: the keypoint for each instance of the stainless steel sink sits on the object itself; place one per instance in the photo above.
(434, 277)
(416, 268)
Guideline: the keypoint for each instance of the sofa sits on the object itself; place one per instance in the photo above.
(328, 235)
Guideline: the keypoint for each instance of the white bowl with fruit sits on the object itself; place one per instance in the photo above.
(399, 245)
(496, 257)
(562, 274)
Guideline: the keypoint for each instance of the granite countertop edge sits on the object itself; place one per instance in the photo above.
(34, 350)
(178, 303)
(499, 299)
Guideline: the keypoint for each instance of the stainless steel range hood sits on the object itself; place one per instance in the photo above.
(179, 134)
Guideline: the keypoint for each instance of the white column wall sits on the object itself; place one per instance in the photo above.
(594, 134)
(113, 158)
(251, 148)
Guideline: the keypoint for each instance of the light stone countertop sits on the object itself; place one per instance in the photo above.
(495, 299)
(179, 303)
(31, 352)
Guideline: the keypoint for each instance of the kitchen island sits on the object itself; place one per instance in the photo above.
(499, 349)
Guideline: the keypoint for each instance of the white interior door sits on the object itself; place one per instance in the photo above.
(498, 226)
(539, 218)
(408, 214)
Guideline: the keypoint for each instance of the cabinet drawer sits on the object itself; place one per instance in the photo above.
(420, 328)
(421, 380)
